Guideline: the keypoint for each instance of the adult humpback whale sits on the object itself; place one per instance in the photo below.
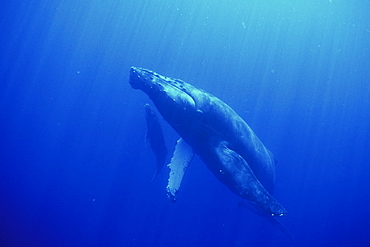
(219, 136)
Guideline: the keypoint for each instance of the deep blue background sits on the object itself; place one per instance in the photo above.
(75, 170)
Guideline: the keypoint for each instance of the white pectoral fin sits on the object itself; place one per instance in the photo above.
(182, 156)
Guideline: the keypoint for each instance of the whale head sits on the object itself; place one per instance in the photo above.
(162, 88)
(172, 97)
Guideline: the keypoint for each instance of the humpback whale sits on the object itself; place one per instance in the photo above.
(211, 129)
(154, 136)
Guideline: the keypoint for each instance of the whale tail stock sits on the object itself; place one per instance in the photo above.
(273, 220)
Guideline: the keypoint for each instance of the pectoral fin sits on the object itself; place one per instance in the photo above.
(181, 158)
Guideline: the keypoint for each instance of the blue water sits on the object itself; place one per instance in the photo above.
(75, 169)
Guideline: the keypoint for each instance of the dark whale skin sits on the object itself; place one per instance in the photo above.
(218, 135)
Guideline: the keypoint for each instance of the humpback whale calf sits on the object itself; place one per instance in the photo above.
(209, 128)
(154, 136)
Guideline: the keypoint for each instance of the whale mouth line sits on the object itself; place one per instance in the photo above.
(181, 89)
